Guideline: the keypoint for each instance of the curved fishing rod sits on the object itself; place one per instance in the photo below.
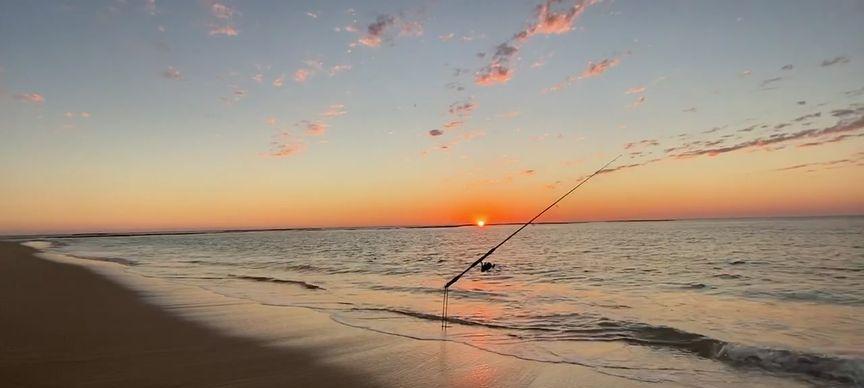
(480, 260)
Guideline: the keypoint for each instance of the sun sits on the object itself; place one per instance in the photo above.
(481, 223)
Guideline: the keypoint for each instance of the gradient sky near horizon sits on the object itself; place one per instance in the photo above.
(152, 115)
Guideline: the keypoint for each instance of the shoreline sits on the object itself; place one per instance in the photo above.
(76, 322)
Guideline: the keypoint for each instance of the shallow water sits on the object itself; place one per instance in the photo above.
(682, 301)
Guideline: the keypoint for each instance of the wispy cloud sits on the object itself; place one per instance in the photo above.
(336, 69)
(223, 20)
(770, 81)
(172, 73)
(787, 67)
(279, 81)
(854, 92)
(150, 6)
(635, 90)
(453, 124)
(835, 61)
(841, 128)
(463, 137)
(314, 128)
(498, 71)
(83, 115)
(811, 116)
(462, 108)
(835, 139)
(597, 68)
(301, 75)
(34, 98)
(593, 69)
(285, 145)
(379, 30)
(549, 21)
(641, 143)
(628, 166)
(227, 30)
(638, 102)
(335, 110)
(811, 167)
(375, 30)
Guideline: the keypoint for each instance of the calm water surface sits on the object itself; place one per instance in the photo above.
(683, 301)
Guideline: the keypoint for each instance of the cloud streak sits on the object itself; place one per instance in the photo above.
(223, 20)
(33, 98)
(835, 61)
(838, 130)
(594, 69)
(172, 73)
(548, 21)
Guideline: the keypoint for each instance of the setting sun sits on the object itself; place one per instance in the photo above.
(481, 222)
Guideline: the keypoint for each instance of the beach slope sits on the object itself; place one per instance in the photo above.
(63, 325)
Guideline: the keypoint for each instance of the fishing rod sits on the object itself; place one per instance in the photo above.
(487, 254)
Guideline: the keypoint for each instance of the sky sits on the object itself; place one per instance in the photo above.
(143, 115)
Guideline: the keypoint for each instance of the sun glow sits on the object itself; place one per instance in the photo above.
(481, 223)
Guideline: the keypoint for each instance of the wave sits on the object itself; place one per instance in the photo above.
(825, 367)
(277, 280)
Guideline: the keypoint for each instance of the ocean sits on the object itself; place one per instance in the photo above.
(690, 302)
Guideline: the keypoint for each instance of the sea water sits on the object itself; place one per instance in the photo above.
(663, 301)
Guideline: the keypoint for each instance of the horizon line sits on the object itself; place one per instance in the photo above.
(171, 232)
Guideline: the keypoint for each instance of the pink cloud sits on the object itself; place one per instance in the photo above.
(302, 75)
(221, 11)
(493, 75)
(462, 109)
(594, 69)
(453, 124)
(314, 128)
(279, 81)
(336, 69)
(377, 31)
(548, 22)
(172, 73)
(411, 28)
(335, 111)
(635, 90)
(286, 145)
(641, 143)
(227, 30)
(35, 98)
(83, 115)
(551, 22)
(223, 20)
(597, 68)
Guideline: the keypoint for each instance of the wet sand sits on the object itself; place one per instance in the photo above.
(68, 322)
(62, 325)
